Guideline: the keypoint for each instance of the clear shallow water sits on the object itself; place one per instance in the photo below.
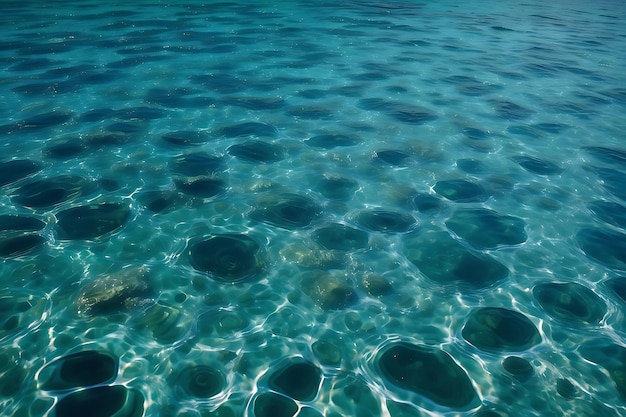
(316, 209)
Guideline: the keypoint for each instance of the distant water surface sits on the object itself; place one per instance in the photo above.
(341, 208)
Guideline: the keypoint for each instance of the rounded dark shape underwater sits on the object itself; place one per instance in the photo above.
(82, 369)
(286, 210)
(185, 138)
(538, 165)
(618, 286)
(608, 212)
(388, 221)
(257, 151)
(518, 367)
(299, 380)
(158, 201)
(52, 191)
(605, 246)
(270, 404)
(228, 258)
(21, 223)
(336, 188)
(494, 329)
(196, 164)
(471, 166)
(570, 301)
(392, 157)
(427, 203)
(91, 221)
(64, 151)
(429, 372)
(338, 236)
(201, 381)
(20, 244)
(102, 401)
(461, 191)
(486, 228)
(202, 187)
(16, 169)
(444, 260)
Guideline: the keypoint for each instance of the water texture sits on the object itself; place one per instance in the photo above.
(341, 208)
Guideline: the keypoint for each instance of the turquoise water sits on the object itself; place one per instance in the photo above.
(349, 208)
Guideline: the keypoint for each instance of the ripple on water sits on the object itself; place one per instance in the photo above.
(228, 258)
(200, 381)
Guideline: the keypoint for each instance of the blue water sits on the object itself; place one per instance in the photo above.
(351, 208)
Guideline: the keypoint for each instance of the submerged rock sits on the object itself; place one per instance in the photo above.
(376, 285)
(328, 291)
(306, 257)
(117, 292)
